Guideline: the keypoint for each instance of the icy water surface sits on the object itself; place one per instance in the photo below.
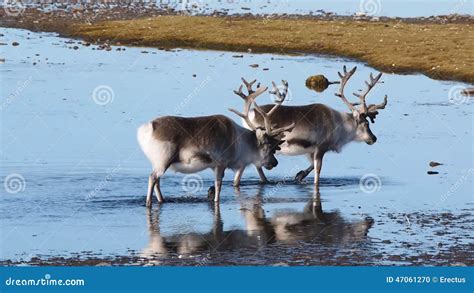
(74, 179)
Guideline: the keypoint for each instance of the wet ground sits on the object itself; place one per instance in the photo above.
(74, 180)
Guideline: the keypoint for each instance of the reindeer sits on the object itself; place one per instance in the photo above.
(189, 145)
(318, 128)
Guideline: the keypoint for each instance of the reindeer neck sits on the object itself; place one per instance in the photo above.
(349, 126)
(249, 147)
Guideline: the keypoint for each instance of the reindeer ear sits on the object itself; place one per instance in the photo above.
(372, 116)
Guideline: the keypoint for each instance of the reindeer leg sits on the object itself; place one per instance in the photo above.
(151, 185)
(263, 178)
(238, 175)
(303, 173)
(158, 194)
(318, 163)
(219, 171)
(154, 184)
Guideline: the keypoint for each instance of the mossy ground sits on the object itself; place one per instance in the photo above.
(441, 51)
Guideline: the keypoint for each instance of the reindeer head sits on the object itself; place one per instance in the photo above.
(361, 113)
(269, 138)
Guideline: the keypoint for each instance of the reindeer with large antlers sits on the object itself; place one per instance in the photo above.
(189, 145)
(317, 127)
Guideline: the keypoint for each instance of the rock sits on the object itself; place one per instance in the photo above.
(15, 44)
(318, 83)
(254, 65)
(432, 172)
(434, 164)
(238, 56)
(75, 47)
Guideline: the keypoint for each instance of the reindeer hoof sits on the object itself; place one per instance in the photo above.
(148, 204)
(211, 192)
(300, 176)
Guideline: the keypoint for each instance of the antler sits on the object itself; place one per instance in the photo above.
(370, 86)
(281, 96)
(251, 93)
(375, 107)
(249, 98)
(344, 79)
(372, 109)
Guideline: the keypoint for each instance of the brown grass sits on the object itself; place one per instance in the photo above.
(441, 51)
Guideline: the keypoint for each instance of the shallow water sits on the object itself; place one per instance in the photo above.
(68, 136)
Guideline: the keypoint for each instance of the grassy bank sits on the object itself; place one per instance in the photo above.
(438, 50)
(441, 51)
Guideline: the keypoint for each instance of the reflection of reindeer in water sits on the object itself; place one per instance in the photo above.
(311, 225)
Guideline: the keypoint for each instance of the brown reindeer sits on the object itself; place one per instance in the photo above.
(318, 128)
(189, 145)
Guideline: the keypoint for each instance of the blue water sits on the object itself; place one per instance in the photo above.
(82, 178)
